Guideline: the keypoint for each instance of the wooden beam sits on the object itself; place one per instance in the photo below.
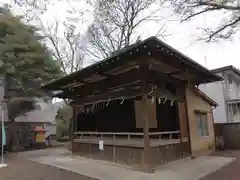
(109, 95)
(101, 67)
(131, 85)
(121, 80)
(105, 84)
(196, 75)
(104, 74)
(73, 84)
(160, 77)
(174, 73)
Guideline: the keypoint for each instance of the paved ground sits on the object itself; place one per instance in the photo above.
(179, 170)
(23, 169)
(228, 172)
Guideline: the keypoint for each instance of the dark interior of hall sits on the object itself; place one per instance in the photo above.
(112, 117)
(167, 116)
(120, 117)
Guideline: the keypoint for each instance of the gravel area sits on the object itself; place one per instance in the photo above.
(228, 172)
(22, 169)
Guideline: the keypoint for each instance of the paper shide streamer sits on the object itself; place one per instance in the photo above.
(101, 104)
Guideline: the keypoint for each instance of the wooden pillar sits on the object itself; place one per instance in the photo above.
(182, 119)
(72, 125)
(146, 160)
(183, 124)
(146, 124)
(181, 135)
(187, 119)
(214, 129)
(147, 164)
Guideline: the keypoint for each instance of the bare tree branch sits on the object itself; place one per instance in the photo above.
(65, 46)
(115, 25)
(198, 13)
(228, 25)
(218, 5)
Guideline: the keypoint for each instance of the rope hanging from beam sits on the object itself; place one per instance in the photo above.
(104, 103)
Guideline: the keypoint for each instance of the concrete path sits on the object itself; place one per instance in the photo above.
(186, 169)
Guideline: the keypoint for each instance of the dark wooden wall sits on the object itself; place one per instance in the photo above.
(167, 116)
(115, 117)
(133, 156)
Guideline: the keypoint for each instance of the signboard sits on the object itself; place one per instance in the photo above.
(101, 145)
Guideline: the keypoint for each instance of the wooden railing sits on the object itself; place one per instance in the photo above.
(129, 135)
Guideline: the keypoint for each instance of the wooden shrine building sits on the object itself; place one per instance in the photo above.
(140, 107)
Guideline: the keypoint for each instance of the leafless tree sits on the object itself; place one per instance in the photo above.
(116, 22)
(66, 46)
(229, 18)
(61, 36)
(30, 9)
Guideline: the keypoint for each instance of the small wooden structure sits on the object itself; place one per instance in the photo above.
(131, 108)
(25, 136)
(39, 134)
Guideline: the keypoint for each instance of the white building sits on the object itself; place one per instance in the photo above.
(226, 93)
(44, 114)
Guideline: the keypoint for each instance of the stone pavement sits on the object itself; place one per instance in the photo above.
(187, 169)
(228, 172)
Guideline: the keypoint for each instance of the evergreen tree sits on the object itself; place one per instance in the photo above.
(26, 62)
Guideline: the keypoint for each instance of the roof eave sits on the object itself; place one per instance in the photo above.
(152, 40)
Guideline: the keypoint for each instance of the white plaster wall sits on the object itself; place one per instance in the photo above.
(50, 129)
(216, 92)
(45, 113)
(233, 91)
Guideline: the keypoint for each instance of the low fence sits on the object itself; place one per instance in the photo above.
(227, 135)
(128, 135)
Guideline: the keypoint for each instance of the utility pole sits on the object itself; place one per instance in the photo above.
(205, 60)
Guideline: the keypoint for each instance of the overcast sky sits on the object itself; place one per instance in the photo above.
(183, 36)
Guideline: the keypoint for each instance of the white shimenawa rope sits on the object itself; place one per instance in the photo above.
(124, 97)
